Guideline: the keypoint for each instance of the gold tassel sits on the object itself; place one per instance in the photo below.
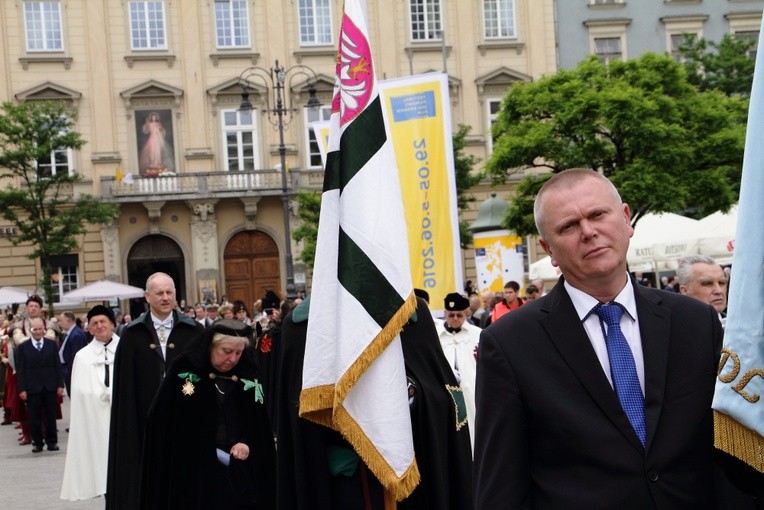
(323, 405)
(739, 441)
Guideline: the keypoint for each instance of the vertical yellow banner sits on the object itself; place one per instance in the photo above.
(418, 118)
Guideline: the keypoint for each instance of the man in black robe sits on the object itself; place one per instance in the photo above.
(146, 348)
(318, 469)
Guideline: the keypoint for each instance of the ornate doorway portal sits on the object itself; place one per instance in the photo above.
(251, 267)
(147, 256)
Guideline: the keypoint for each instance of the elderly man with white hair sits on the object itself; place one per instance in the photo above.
(702, 278)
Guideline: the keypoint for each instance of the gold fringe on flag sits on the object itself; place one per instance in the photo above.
(323, 405)
(739, 441)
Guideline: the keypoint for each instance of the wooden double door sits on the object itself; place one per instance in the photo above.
(252, 267)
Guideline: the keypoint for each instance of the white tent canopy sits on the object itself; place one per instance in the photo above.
(543, 269)
(103, 290)
(660, 240)
(716, 235)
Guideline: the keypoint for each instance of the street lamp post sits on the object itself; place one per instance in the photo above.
(279, 113)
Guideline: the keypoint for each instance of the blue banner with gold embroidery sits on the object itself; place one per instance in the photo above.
(738, 407)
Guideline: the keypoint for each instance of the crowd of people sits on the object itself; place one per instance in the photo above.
(595, 394)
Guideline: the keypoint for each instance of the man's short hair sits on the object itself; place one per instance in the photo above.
(34, 298)
(531, 289)
(684, 269)
(513, 285)
(70, 316)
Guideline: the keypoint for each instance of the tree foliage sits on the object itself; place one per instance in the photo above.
(664, 144)
(48, 215)
(725, 66)
(465, 179)
(308, 209)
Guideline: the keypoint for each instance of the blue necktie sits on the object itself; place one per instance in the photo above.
(38, 346)
(622, 367)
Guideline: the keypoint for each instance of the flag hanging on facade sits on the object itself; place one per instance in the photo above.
(354, 377)
(118, 175)
(738, 408)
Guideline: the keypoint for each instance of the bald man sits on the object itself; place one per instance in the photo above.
(146, 348)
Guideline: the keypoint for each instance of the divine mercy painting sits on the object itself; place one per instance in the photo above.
(154, 133)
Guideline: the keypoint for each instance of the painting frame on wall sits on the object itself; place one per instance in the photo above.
(154, 134)
(208, 291)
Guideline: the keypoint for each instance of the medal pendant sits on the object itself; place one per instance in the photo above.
(188, 388)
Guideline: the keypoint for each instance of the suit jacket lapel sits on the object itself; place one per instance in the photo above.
(577, 351)
(655, 330)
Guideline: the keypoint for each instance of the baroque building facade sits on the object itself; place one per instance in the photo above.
(157, 88)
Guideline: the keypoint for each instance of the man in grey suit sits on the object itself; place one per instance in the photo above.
(41, 382)
(597, 395)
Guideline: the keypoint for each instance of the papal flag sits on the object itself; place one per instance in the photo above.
(354, 377)
(738, 406)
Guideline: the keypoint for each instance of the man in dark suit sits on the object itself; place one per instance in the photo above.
(73, 339)
(574, 411)
(145, 350)
(41, 382)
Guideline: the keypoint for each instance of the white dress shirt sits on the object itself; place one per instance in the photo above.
(167, 324)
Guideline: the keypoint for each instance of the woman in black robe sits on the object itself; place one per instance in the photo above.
(208, 440)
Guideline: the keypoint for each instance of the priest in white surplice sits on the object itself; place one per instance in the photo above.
(88, 446)
(459, 340)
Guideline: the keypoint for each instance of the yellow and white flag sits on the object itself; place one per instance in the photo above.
(354, 377)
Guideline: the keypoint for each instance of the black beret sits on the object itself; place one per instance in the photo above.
(232, 327)
(455, 302)
(102, 310)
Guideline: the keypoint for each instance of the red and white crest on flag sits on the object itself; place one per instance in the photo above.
(355, 73)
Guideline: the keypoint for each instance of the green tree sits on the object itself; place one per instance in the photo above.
(725, 66)
(465, 179)
(308, 209)
(664, 144)
(38, 200)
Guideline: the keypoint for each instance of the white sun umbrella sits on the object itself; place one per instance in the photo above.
(103, 290)
(12, 295)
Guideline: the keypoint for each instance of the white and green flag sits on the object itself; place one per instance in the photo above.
(354, 378)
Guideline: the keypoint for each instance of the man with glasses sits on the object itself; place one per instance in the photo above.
(459, 340)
